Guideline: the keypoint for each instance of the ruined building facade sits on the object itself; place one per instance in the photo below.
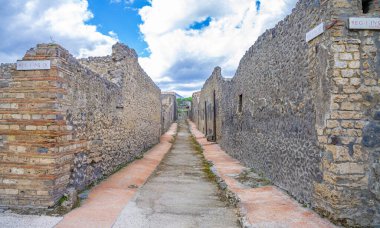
(67, 126)
(307, 114)
(168, 110)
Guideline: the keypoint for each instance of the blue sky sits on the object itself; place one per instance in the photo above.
(122, 18)
(179, 42)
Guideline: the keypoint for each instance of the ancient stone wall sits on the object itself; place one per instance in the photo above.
(305, 113)
(209, 108)
(271, 114)
(168, 110)
(70, 125)
(345, 128)
(195, 112)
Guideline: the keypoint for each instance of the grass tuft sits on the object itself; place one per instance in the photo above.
(206, 165)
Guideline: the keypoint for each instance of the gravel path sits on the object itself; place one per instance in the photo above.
(179, 194)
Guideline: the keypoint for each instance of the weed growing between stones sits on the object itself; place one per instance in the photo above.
(206, 164)
(173, 139)
(61, 200)
(223, 193)
(250, 178)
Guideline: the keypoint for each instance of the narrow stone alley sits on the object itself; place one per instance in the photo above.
(169, 187)
(179, 194)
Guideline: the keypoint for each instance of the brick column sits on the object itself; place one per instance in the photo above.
(37, 149)
(344, 193)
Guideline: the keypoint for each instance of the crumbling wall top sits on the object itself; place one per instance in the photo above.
(121, 51)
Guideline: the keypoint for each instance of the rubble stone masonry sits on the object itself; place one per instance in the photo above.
(168, 110)
(210, 106)
(70, 125)
(307, 114)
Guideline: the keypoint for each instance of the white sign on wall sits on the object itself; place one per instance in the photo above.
(33, 65)
(364, 23)
(315, 32)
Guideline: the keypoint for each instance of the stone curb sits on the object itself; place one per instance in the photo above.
(265, 206)
(107, 200)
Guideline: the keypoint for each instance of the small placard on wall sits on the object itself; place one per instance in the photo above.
(364, 23)
(315, 32)
(33, 65)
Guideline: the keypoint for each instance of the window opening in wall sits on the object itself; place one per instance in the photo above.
(240, 109)
(206, 118)
(367, 4)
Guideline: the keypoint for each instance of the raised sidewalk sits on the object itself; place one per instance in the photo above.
(259, 207)
(107, 200)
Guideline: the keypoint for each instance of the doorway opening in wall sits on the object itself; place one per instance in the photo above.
(240, 109)
(366, 5)
(214, 118)
(206, 119)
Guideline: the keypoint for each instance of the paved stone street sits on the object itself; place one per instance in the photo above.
(179, 194)
(10, 220)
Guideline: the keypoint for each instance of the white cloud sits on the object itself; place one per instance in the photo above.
(23, 24)
(188, 56)
(181, 58)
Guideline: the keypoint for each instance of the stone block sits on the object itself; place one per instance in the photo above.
(26, 117)
(30, 128)
(341, 81)
(36, 117)
(349, 73)
(334, 106)
(5, 105)
(352, 48)
(370, 82)
(354, 64)
(355, 81)
(345, 56)
(339, 97)
(332, 124)
(11, 191)
(360, 124)
(357, 56)
(340, 64)
(17, 116)
(14, 127)
(350, 89)
(9, 181)
(339, 48)
(348, 123)
(21, 149)
(4, 127)
(350, 106)
(42, 193)
(369, 48)
(346, 115)
(347, 168)
(339, 153)
(17, 171)
(354, 132)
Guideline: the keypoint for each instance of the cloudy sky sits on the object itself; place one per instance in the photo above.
(179, 41)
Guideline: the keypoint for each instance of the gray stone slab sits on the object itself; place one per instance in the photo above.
(9, 220)
(179, 194)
